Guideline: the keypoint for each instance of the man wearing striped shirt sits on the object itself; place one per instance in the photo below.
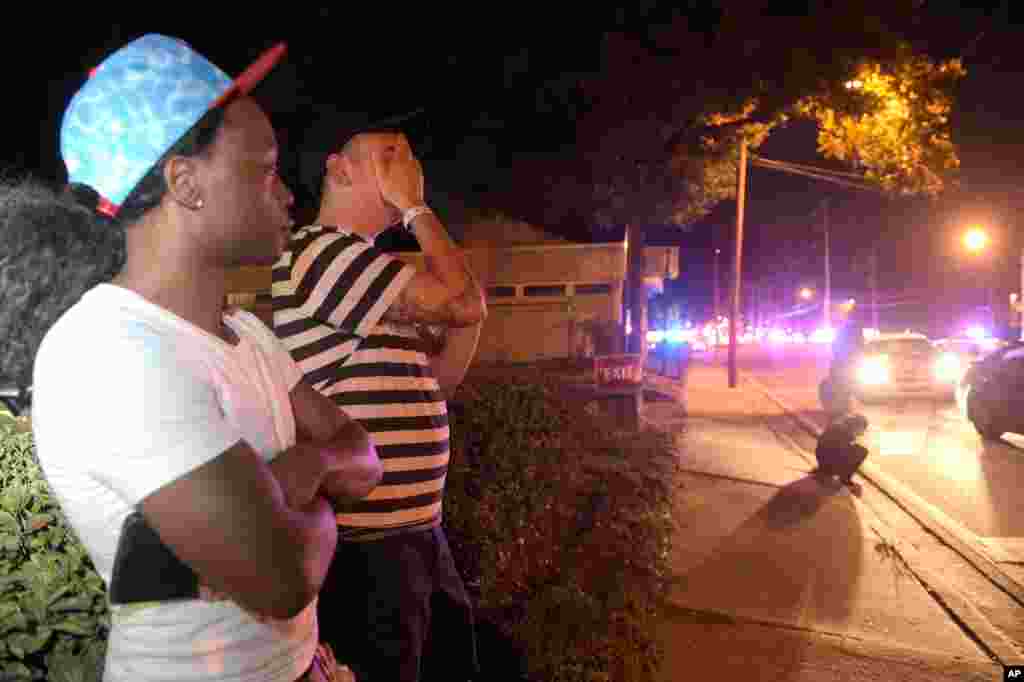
(350, 314)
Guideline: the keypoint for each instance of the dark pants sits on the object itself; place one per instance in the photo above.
(396, 610)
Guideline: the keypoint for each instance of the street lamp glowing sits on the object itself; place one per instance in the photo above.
(975, 239)
(806, 294)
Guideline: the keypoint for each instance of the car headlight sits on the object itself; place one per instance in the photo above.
(873, 371)
(948, 368)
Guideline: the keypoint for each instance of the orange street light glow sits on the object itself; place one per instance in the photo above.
(975, 239)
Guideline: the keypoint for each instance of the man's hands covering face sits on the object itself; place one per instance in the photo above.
(399, 173)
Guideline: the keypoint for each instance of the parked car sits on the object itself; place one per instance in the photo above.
(968, 350)
(904, 365)
(971, 350)
(991, 393)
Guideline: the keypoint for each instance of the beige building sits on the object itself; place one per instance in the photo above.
(543, 292)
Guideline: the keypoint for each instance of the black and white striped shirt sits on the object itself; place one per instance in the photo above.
(330, 289)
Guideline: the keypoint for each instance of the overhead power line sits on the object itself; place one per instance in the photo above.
(811, 169)
(822, 174)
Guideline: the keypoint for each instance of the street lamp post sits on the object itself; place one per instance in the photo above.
(976, 240)
(828, 271)
(717, 313)
(718, 308)
(874, 286)
(741, 198)
(1021, 295)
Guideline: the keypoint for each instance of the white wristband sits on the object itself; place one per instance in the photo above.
(412, 213)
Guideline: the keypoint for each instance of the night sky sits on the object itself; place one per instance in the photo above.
(477, 75)
(921, 263)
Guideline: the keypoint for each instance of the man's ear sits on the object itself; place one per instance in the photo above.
(182, 178)
(339, 169)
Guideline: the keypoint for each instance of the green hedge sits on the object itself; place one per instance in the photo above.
(563, 529)
(53, 606)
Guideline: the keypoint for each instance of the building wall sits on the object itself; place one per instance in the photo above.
(522, 327)
(536, 293)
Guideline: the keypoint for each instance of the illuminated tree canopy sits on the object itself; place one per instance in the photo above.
(658, 124)
(892, 121)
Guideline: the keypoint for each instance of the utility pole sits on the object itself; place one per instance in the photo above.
(828, 271)
(754, 300)
(1021, 297)
(718, 309)
(874, 286)
(993, 276)
(741, 197)
(637, 342)
(992, 302)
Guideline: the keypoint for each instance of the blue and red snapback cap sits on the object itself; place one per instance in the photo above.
(137, 104)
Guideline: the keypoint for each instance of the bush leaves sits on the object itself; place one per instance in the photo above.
(547, 512)
(53, 605)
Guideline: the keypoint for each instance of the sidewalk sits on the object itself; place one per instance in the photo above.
(777, 577)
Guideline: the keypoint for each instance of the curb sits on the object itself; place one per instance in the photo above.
(949, 531)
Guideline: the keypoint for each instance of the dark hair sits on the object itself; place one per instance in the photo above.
(55, 246)
(52, 249)
(332, 133)
(313, 163)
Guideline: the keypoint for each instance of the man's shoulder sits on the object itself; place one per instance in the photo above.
(328, 251)
(106, 326)
(97, 355)
(98, 318)
(313, 241)
(324, 233)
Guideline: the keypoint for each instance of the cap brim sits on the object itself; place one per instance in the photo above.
(252, 76)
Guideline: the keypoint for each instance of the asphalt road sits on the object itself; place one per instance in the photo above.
(926, 444)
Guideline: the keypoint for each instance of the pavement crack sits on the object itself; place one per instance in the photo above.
(888, 551)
